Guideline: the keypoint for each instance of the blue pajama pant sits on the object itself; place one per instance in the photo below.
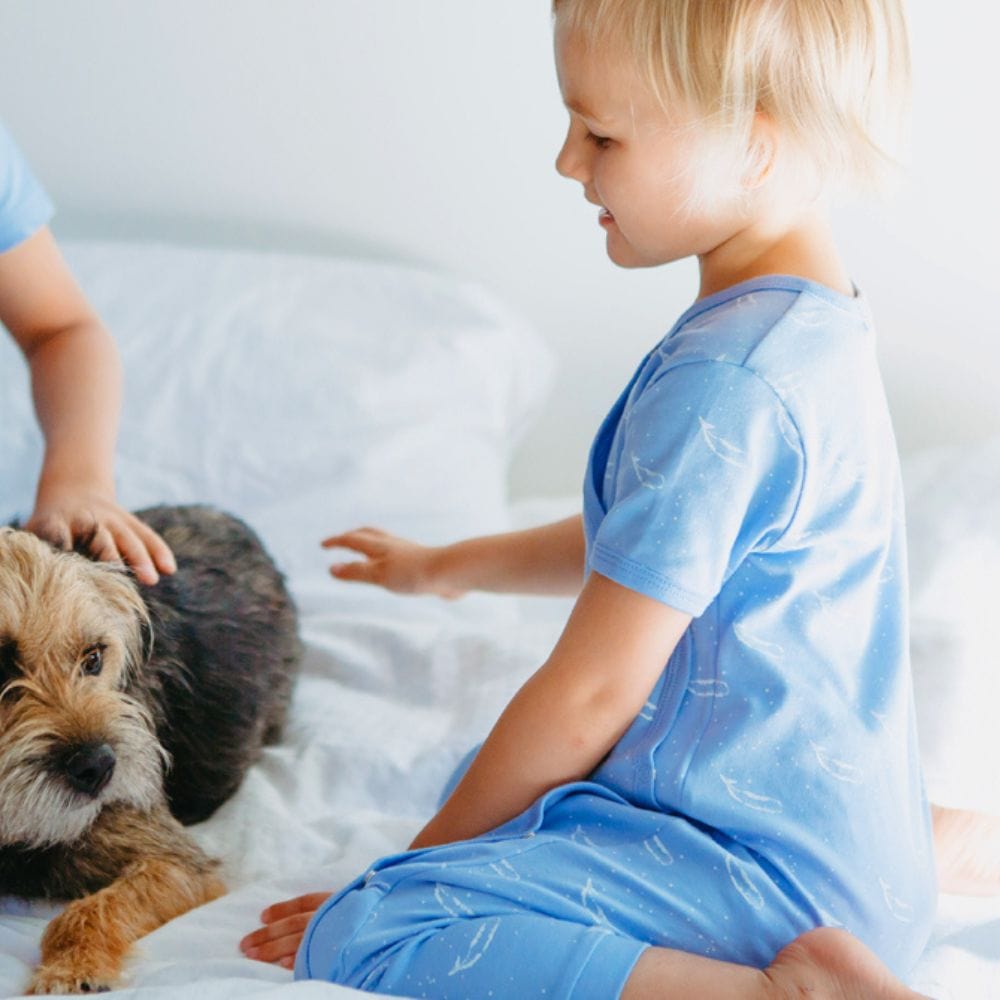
(560, 902)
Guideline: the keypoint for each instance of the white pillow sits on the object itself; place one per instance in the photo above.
(953, 530)
(305, 394)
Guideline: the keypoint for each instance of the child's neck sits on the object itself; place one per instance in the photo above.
(804, 249)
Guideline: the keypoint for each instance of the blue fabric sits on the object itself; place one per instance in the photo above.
(771, 784)
(24, 205)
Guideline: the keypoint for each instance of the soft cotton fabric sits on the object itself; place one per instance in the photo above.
(24, 205)
(747, 476)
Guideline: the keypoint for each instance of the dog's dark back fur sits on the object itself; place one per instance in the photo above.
(225, 646)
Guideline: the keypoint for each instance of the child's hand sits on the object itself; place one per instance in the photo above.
(96, 524)
(393, 563)
(284, 925)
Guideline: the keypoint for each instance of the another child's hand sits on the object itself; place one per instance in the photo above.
(396, 564)
(284, 925)
(93, 522)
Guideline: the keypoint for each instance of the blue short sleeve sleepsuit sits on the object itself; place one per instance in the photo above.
(771, 784)
(24, 205)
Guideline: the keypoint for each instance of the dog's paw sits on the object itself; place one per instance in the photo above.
(49, 979)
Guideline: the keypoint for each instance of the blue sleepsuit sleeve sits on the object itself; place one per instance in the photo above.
(709, 471)
(24, 205)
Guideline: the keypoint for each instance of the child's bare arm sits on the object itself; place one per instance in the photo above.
(567, 717)
(76, 384)
(543, 560)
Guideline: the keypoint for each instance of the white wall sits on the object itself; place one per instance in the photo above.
(428, 130)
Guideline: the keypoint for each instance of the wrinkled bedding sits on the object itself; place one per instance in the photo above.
(311, 396)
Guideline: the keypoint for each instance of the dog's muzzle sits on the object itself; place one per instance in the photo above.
(88, 768)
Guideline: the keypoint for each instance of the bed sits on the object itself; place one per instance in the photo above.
(310, 395)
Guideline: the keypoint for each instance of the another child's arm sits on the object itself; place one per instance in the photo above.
(543, 560)
(76, 384)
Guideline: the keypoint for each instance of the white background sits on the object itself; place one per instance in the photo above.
(428, 130)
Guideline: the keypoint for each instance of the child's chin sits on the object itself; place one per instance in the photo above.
(626, 257)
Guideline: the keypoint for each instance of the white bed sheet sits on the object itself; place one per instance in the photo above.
(393, 691)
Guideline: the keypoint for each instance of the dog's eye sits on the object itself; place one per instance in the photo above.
(9, 669)
(93, 660)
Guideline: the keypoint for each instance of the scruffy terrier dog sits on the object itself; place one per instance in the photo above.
(124, 714)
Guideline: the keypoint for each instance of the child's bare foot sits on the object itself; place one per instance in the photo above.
(829, 964)
(967, 851)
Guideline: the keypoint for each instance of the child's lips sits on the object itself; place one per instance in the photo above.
(605, 218)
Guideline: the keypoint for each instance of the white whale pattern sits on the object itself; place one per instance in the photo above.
(752, 800)
(506, 870)
(719, 446)
(587, 897)
(708, 688)
(882, 718)
(647, 711)
(579, 837)
(755, 642)
(787, 428)
(811, 319)
(658, 851)
(851, 774)
(743, 883)
(478, 946)
(649, 478)
(901, 910)
(450, 903)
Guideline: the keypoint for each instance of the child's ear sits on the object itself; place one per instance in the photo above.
(762, 151)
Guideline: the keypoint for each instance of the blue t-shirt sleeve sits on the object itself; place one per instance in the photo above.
(710, 470)
(24, 205)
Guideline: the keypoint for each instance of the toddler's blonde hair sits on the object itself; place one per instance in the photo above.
(833, 75)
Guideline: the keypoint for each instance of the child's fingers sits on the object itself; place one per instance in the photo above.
(280, 948)
(134, 552)
(356, 571)
(99, 540)
(367, 541)
(156, 547)
(54, 530)
(308, 903)
(263, 939)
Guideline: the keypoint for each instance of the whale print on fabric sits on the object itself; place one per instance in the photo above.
(839, 769)
(708, 688)
(478, 946)
(649, 478)
(752, 800)
(743, 884)
(770, 649)
(727, 451)
(658, 851)
(588, 896)
(506, 870)
(901, 910)
(450, 903)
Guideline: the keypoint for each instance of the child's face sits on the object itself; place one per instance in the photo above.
(634, 161)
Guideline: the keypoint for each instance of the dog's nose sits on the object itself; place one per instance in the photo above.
(89, 767)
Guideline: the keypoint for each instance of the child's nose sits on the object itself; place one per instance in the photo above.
(568, 162)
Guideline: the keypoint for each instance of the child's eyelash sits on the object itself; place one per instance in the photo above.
(600, 141)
